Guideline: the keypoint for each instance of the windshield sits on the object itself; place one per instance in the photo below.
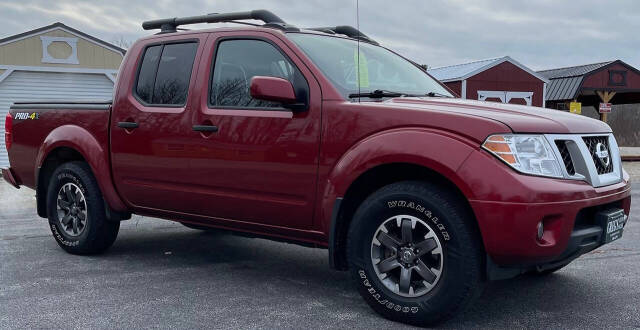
(379, 69)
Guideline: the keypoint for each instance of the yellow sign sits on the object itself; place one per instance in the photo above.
(575, 107)
(362, 69)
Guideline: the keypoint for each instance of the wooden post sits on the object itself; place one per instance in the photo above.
(605, 97)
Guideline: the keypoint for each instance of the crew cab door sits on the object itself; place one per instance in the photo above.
(151, 123)
(260, 163)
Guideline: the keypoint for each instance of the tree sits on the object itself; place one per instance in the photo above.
(122, 42)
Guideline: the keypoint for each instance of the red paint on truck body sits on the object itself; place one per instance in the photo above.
(278, 173)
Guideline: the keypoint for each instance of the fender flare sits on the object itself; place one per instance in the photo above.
(401, 145)
(82, 141)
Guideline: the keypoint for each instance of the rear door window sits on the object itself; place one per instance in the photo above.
(165, 73)
(147, 73)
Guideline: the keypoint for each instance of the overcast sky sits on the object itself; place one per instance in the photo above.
(540, 34)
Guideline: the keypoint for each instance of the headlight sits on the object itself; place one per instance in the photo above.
(530, 154)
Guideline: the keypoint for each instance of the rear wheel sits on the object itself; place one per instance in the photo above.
(414, 253)
(76, 211)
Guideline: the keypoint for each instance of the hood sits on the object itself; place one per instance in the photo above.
(520, 118)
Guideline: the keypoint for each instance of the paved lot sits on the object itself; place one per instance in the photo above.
(159, 274)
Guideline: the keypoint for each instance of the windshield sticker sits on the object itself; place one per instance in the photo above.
(362, 68)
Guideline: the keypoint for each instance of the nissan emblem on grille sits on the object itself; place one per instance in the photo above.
(603, 154)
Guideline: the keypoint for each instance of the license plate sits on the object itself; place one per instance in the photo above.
(613, 224)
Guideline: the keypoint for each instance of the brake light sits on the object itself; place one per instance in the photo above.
(8, 127)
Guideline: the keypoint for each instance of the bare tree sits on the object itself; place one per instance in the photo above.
(122, 42)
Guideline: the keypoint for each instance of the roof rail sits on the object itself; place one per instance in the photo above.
(170, 24)
(346, 30)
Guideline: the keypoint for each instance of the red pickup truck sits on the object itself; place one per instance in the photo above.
(322, 137)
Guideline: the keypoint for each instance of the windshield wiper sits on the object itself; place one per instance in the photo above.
(379, 93)
(436, 94)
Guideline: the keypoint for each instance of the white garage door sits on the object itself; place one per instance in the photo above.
(33, 86)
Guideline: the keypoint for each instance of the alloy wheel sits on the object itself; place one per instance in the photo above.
(72, 209)
(407, 256)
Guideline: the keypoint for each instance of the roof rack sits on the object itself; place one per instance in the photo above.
(346, 30)
(167, 25)
(271, 20)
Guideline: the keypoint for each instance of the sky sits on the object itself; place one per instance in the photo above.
(540, 34)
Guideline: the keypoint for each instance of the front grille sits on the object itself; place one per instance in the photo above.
(579, 152)
(566, 156)
(592, 142)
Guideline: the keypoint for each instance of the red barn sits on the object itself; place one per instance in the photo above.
(498, 79)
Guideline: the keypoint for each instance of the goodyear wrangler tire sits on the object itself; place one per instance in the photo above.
(76, 211)
(415, 254)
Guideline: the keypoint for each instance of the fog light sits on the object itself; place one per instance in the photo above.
(540, 230)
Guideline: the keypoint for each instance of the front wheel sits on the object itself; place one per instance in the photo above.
(76, 211)
(414, 253)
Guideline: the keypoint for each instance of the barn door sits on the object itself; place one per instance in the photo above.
(524, 98)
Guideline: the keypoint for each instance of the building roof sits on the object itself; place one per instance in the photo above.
(572, 71)
(456, 72)
(466, 70)
(69, 29)
(565, 82)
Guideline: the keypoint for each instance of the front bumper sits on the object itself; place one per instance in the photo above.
(509, 206)
(582, 240)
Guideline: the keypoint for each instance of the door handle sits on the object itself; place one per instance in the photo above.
(127, 125)
(205, 128)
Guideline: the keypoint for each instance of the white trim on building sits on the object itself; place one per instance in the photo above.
(463, 89)
(10, 68)
(46, 56)
(506, 96)
(5, 74)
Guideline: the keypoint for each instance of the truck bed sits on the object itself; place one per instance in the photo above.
(37, 124)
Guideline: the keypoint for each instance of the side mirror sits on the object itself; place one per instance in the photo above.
(272, 89)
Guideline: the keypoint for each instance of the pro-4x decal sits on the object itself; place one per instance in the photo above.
(27, 115)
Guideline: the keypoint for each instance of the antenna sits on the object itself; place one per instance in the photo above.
(358, 47)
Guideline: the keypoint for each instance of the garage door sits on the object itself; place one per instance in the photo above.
(33, 86)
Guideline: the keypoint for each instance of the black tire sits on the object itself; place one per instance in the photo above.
(97, 234)
(462, 276)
